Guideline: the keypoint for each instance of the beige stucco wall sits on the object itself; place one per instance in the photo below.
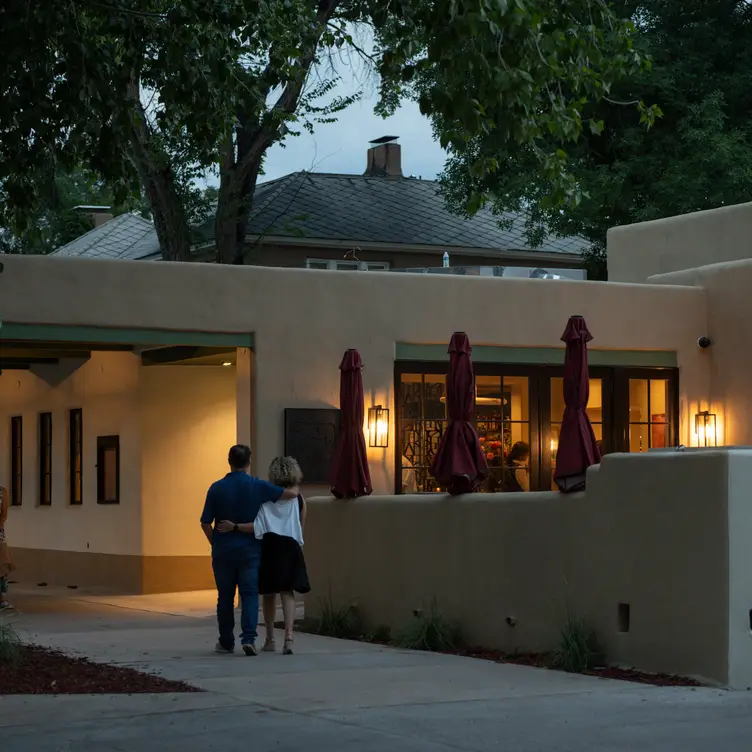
(729, 358)
(187, 424)
(303, 320)
(106, 388)
(641, 250)
(652, 531)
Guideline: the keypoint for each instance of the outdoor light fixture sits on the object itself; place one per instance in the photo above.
(705, 428)
(378, 427)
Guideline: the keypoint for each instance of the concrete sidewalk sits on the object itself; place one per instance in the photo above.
(336, 695)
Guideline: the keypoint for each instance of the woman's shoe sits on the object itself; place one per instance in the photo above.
(270, 646)
(287, 648)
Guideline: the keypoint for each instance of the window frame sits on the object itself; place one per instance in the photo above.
(75, 451)
(16, 461)
(615, 400)
(105, 443)
(353, 265)
(44, 459)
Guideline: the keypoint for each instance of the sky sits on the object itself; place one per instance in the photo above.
(341, 147)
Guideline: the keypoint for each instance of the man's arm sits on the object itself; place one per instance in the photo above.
(289, 493)
(207, 516)
(208, 532)
(227, 526)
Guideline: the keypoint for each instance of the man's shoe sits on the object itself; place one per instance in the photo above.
(219, 648)
(250, 649)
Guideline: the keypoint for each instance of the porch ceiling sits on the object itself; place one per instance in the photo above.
(23, 346)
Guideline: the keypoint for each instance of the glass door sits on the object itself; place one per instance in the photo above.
(599, 410)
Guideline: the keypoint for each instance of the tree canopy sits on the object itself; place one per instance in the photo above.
(698, 155)
(158, 92)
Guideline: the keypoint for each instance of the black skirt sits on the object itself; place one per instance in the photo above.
(283, 567)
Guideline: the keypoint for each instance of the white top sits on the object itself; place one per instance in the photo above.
(280, 517)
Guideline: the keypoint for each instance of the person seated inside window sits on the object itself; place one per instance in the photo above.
(516, 477)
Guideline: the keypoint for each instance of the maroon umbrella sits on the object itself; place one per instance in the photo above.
(578, 449)
(460, 463)
(350, 474)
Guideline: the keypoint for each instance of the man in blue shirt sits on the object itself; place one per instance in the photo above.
(236, 554)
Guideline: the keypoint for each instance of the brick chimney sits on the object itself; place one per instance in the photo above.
(98, 214)
(384, 158)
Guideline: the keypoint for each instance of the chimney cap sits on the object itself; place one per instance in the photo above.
(91, 208)
(383, 140)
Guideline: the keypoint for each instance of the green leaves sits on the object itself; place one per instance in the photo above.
(669, 134)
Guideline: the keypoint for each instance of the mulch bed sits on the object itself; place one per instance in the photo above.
(543, 660)
(41, 671)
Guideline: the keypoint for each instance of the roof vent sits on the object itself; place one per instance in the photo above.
(384, 158)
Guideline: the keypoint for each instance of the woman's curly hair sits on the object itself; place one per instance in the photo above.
(285, 472)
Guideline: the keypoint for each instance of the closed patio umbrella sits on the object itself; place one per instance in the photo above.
(459, 463)
(350, 474)
(578, 449)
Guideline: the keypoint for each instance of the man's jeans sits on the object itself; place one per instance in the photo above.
(237, 570)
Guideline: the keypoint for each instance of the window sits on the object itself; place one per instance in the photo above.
(346, 265)
(108, 470)
(594, 411)
(45, 459)
(518, 414)
(75, 457)
(16, 461)
(648, 414)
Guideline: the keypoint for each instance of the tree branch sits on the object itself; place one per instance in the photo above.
(287, 101)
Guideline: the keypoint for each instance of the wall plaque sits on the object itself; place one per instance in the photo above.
(311, 438)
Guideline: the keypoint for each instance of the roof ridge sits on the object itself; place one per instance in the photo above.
(98, 232)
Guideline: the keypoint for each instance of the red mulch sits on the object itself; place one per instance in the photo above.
(40, 671)
(543, 660)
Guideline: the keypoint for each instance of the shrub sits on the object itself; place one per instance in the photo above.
(578, 648)
(382, 633)
(430, 631)
(342, 622)
(10, 643)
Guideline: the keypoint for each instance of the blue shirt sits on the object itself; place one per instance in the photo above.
(238, 498)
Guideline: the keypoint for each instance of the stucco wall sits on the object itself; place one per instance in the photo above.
(729, 358)
(303, 321)
(105, 388)
(652, 532)
(187, 424)
(641, 250)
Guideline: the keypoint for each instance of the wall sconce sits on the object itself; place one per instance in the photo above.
(705, 428)
(378, 427)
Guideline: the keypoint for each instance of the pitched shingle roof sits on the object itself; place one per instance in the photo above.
(398, 211)
(356, 209)
(127, 236)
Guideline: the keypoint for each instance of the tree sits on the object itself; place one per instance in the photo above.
(698, 155)
(160, 91)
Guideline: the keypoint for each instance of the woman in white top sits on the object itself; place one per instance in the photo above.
(280, 525)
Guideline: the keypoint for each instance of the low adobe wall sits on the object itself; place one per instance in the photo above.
(651, 533)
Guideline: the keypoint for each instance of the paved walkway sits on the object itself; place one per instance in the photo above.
(336, 695)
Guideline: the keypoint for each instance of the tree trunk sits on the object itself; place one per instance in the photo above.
(169, 218)
(158, 181)
(235, 200)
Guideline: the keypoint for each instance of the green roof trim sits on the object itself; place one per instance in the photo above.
(114, 336)
(553, 356)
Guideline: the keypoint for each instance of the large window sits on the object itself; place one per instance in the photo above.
(16, 461)
(348, 265)
(45, 459)
(108, 469)
(75, 457)
(518, 414)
